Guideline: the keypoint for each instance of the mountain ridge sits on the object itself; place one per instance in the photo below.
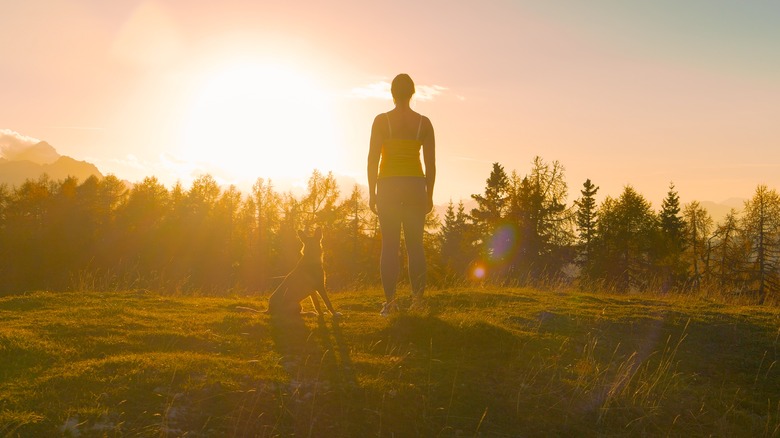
(16, 172)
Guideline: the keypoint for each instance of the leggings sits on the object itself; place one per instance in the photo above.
(402, 203)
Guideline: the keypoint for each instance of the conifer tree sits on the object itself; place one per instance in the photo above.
(668, 257)
(491, 210)
(543, 223)
(728, 254)
(626, 237)
(672, 225)
(454, 241)
(761, 225)
(698, 225)
(492, 206)
(587, 219)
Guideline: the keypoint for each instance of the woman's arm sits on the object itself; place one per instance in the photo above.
(429, 158)
(374, 152)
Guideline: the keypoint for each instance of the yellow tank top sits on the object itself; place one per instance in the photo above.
(401, 157)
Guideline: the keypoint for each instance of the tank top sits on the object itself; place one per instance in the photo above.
(401, 156)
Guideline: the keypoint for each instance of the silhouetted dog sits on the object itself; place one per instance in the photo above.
(305, 280)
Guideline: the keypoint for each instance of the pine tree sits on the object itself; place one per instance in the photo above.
(626, 237)
(491, 212)
(492, 206)
(672, 225)
(456, 253)
(670, 248)
(587, 219)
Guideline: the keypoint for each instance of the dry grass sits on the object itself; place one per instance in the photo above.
(477, 362)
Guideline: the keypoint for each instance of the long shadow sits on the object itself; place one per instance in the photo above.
(291, 340)
(322, 379)
(320, 352)
(344, 372)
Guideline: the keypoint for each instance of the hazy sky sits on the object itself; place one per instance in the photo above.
(622, 92)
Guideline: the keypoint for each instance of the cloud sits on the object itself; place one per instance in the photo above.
(12, 143)
(377, 90)
(381, 90)
(428, 92)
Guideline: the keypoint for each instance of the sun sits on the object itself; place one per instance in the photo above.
(261, 120)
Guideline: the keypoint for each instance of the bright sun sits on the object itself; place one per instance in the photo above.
(261, 120)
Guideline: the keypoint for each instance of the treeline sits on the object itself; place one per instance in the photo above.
(99, 234)
(102, 235)
(523, 232)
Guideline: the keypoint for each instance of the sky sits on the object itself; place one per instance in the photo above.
(622, 93)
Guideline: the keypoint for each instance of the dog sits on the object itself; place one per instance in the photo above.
(307, 279)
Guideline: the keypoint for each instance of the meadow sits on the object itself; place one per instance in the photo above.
(478, 361)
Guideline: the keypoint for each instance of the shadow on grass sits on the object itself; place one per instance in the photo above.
(291, 341)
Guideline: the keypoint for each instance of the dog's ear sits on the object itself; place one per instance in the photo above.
(318, 233)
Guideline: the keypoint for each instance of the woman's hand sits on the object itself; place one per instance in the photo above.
(372, 203)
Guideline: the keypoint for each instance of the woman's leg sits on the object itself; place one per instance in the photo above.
(389, 211)
(389, 262)
(414, 228)
(414, 212)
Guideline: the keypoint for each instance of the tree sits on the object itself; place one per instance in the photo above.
(490, 215)
(698, 225)
(5, 251)
(587, 219)
(265, 206)
(224, 241)
(543, 223)
(626, 237)
(493, 204)
(672, 225)
(71, 228)
(761, 225)
(347, 244)
(141, 219)
(727, 254)
(455, 241)
(320, 202)
(672, 244)
(28, 218)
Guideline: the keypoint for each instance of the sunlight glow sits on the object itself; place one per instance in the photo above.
(478, 272)
(264, 120)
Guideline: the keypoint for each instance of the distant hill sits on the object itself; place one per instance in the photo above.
(16, 172)
(38, 153)
(719, 210)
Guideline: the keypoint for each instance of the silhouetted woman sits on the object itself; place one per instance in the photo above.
(400, 190)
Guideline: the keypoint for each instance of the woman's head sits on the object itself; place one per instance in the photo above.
(402, 87)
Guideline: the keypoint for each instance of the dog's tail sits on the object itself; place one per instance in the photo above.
(249, 309)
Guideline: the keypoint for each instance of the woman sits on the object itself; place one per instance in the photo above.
(400, 191)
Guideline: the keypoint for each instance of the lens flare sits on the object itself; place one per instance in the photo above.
(502, 243)
(478, 272)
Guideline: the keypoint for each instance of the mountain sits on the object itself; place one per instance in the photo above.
(719, 210)
(38, 153)
(16, 172)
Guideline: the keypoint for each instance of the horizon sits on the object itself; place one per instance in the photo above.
(621, 94)
(13, 145)
(297, 186)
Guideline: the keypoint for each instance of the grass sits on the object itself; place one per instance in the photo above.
(477, 362)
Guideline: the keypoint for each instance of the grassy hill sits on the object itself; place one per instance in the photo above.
(477, 362)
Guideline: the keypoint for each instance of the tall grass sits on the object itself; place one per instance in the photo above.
(484, 361)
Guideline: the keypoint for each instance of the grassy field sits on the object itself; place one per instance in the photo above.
(476, 362)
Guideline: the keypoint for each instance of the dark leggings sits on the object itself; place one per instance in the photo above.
(402, 203)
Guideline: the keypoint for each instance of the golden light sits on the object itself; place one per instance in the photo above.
(477, 272)
(251, 120)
